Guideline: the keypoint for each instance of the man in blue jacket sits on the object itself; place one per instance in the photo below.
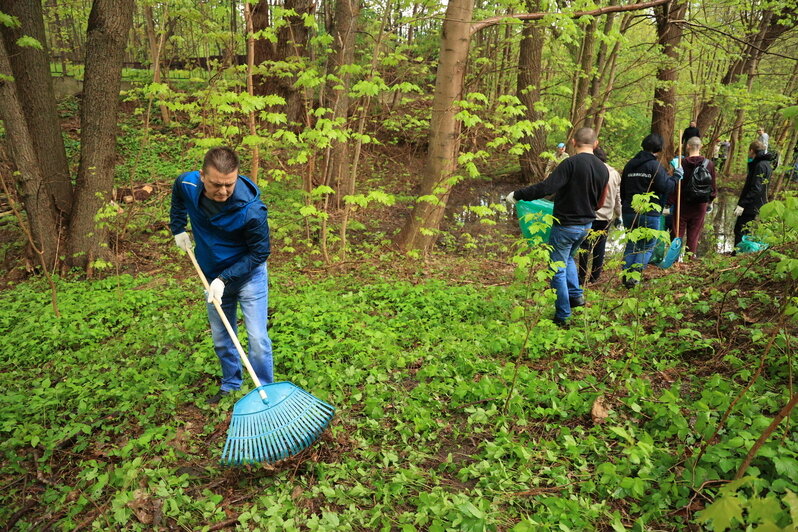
(231, 231)
(641, 175)
(579, 185)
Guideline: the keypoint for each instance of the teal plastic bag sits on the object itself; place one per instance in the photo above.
(750, 245)
(531, 219)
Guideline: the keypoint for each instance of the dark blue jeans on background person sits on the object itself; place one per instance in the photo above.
(564, 241)
(740, 228)
(637, 254)
(252, 293)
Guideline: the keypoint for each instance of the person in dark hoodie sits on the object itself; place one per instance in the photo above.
(641, 175)
(579, 185)
(692, 212)
(755, 189)
(231, 231)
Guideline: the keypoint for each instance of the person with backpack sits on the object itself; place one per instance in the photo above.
(755, 189)
(641, 175)
(699, 189)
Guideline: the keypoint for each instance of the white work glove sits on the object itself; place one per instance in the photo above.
(667, 210)
(510, 199)
(738, 211)
(183, 241)
(215, 290)
(709, 208)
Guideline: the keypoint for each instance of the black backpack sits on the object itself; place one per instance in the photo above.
(699, 187)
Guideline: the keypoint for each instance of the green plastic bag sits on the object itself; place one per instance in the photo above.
(531, 218)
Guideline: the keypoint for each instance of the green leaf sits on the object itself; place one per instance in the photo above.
(763, 508)
(786, 466)
(791, 500)
(721, 513)
(26, 41)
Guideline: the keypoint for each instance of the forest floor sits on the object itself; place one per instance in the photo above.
(460, 405)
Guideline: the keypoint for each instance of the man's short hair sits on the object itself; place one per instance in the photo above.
(652, 143)
(693, 143)
(584, 136)
(224, 159)
(756, 146)
(599, 152)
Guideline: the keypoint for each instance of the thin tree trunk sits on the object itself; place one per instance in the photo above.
(530, 57)
(669, 37)
(34, 86)
(58, 37)
(253, 131)
(420, 230)
(109, 24)
(580, 102)
(346, 12)
(156, 43)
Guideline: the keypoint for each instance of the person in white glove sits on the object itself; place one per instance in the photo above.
(510, 199)
(231, 232)
(755, 190)
(183, 241)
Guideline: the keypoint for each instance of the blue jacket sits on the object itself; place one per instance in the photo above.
(642, 174)
(232, 243)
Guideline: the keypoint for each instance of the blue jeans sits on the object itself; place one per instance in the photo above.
(565, 241)
(252, 293)
(637, 254)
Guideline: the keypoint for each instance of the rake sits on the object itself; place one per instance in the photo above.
(273, 421)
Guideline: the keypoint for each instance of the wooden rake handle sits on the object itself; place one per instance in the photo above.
(229, 328)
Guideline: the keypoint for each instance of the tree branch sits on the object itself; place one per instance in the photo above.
(482, 24)
(732, 37)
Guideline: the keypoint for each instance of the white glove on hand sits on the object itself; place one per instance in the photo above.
(709, 208)
(738, 211)
(183, 241)
(215, 290)
(510, 199)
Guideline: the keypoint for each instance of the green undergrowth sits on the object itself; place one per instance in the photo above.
(104, 422)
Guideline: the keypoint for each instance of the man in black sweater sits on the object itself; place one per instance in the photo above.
(690, 132)
(579, 185)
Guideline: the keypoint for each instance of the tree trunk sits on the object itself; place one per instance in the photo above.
(345, 26)
(663, 112)
(580, 102)
(39, 205)
(291, 48)
(34, 87)
(251, 122)
(109, 24)
(530, 57)
(420, 230)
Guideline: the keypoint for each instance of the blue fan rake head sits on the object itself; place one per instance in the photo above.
(289, 421)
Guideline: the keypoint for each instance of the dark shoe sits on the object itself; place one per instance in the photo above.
(216, 398)
(562, 324)
(630, 283)
(577, 301)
